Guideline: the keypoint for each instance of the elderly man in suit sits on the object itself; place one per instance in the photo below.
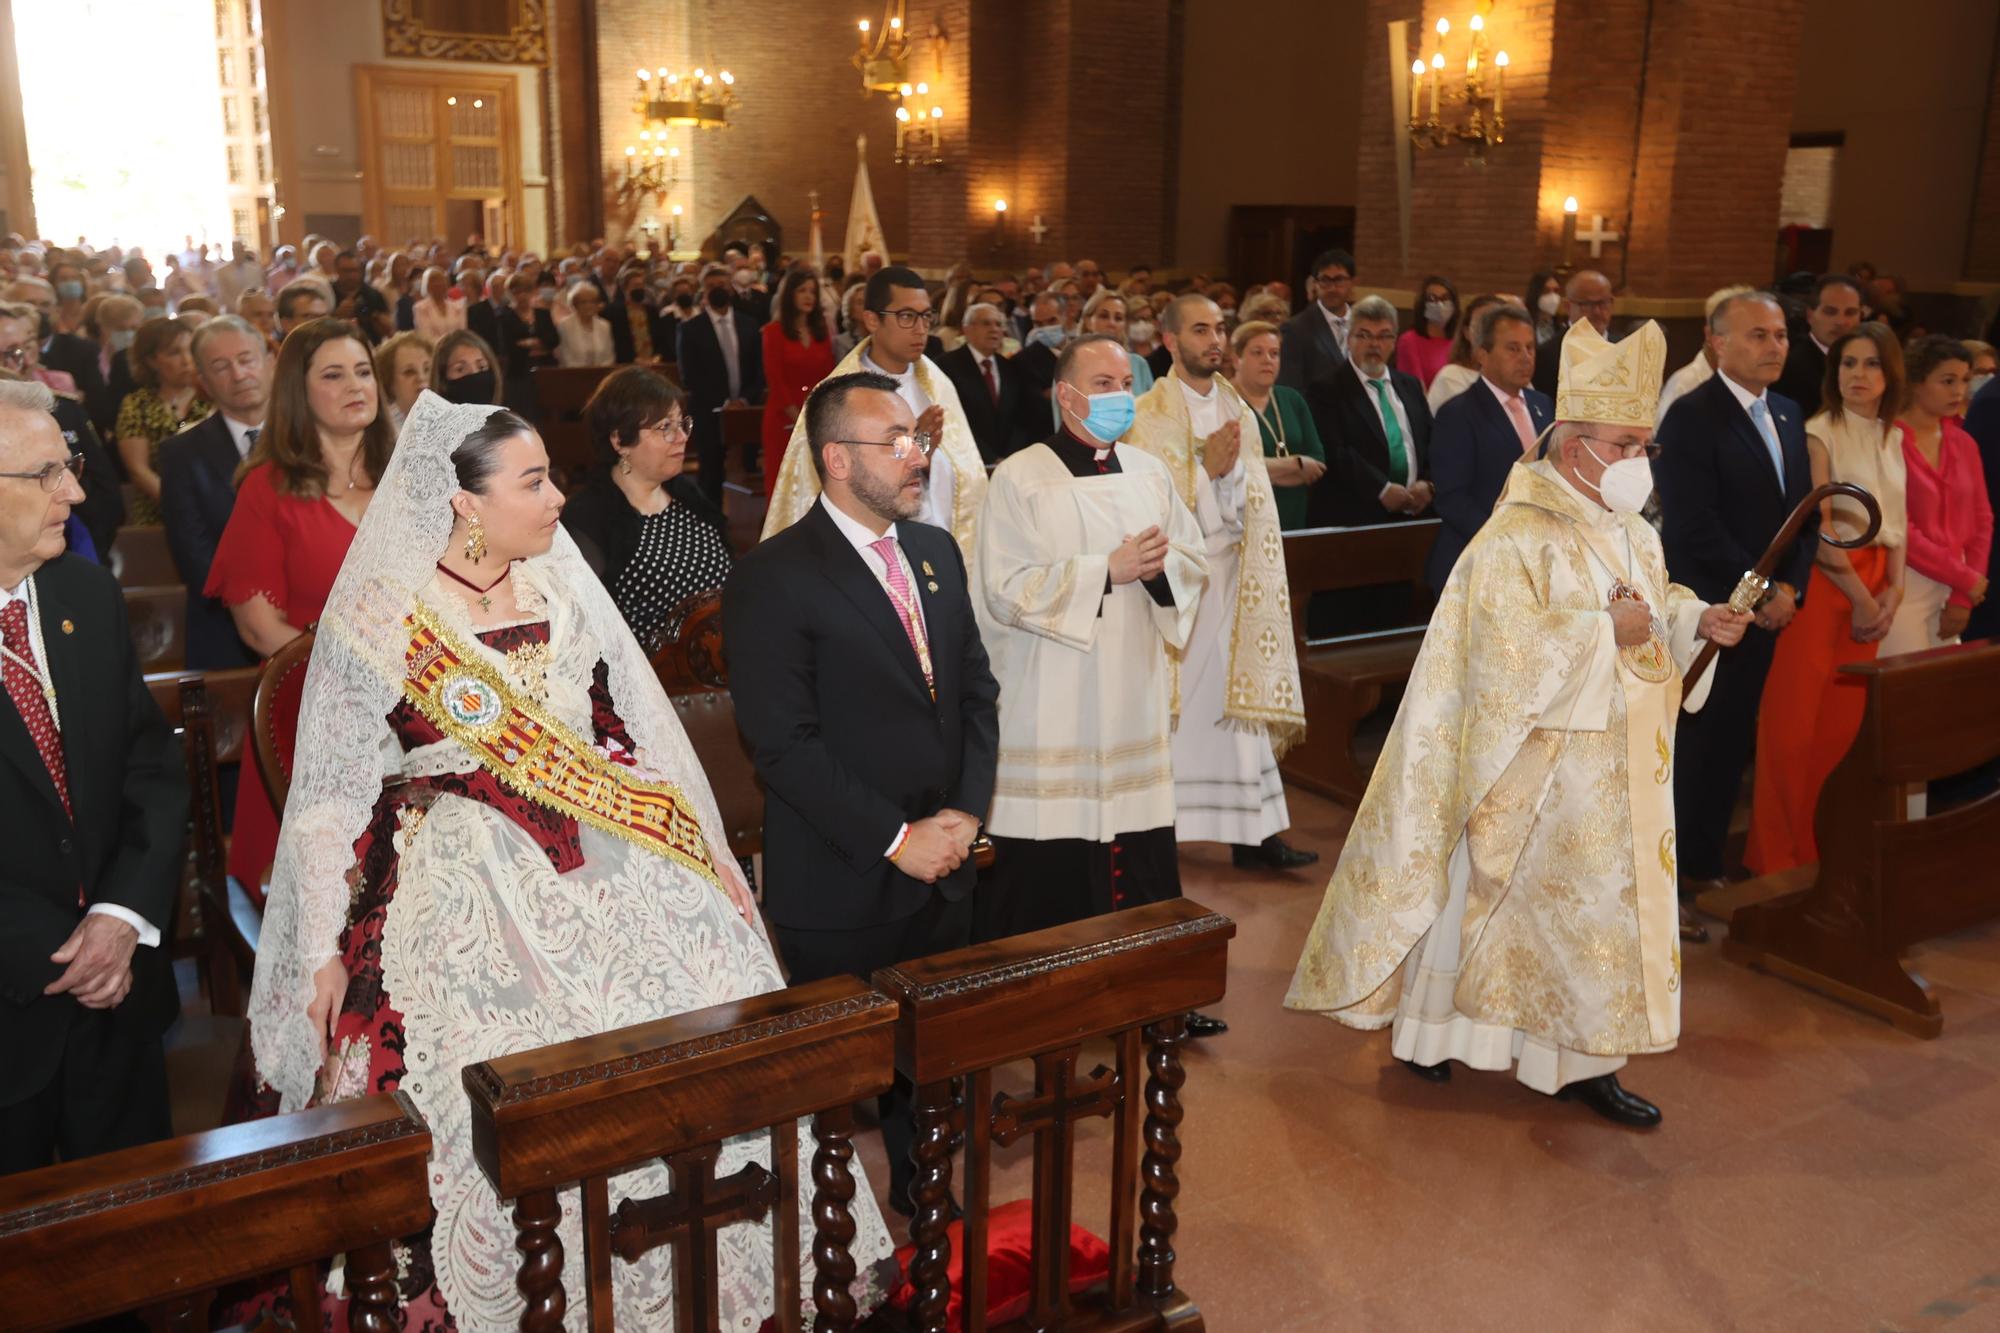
(1834, 313)
(721, 358)
(988, 384)
(1587, 298)
(1732, 467)
(862, 685)
(1315, 339)
(198, 478)
(1480, 434)
(92, 803)
(1375, 426)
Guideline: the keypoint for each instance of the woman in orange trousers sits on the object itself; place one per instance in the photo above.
(1811, 712)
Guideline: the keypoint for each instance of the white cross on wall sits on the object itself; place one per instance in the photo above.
(1039, 230)
(1597, 236)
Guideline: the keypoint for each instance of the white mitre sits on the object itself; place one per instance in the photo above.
(1612, 384)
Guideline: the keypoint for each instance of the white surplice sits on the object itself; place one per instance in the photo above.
(1226, 782)
(1085, 690)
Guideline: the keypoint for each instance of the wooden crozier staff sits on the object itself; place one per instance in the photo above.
(1755, 584)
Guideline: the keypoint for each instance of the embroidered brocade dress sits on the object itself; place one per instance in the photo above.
(482, 924)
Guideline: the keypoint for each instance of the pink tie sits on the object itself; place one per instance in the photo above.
(899, 593)
(1524, 428)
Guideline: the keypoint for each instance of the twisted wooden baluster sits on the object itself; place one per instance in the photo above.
(1160, 1185)
(371, 1288)
(931, 1192)
(540, 1278)
(833, 1224)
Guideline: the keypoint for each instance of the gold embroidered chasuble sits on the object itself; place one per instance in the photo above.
(1085, 737)
(1263, 681)
(798, 482)
(1530, 768)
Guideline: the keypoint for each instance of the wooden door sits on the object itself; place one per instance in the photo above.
(432, 139)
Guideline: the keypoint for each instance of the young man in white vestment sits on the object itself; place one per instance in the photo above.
(1506, 897)
(1087, 572)
(1239, 705)
(899, 319)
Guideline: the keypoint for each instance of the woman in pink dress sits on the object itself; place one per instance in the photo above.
(1425, 347)
(301, 493)
(797, 355)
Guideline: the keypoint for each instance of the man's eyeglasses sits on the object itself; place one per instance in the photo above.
(50, 475)
(1648, 450)
(909, 319)
(900, 446)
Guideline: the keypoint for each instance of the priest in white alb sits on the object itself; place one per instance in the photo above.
(1088, 570)
(899, 318)
(1239, 703)
(1506, 896)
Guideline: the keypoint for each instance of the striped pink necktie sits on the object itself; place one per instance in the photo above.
(899, 593)
(1524, 428)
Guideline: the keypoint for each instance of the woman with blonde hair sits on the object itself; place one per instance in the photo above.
(403, 367)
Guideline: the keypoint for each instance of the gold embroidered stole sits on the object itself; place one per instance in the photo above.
(538, 757)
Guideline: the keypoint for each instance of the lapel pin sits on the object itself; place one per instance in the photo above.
(932, 585)
(928, 569)
(69, 627)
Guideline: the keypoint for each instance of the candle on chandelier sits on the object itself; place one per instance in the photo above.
(1437, 77)
(1416, 90)
(1500, 87)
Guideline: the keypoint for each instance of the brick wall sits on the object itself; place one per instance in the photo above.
(1982, 246)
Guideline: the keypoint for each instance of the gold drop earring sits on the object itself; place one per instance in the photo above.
(475, 540)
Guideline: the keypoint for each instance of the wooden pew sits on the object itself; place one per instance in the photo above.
(140, 558)
(584, 1111)
(692, 672)
(1343, 678)
(211, 713)
(743, 502)
(164, 1225)
(560, 395)
(1885, 881)
(159, 625)
(1127, 976)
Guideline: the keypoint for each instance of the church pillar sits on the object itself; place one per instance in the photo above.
(1669, 122)
(570, 120)
(1982, 243)
(15, 193)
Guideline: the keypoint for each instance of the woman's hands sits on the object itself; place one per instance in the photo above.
(329, 989)
(738, 888)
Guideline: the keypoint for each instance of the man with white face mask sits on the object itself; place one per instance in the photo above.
(1086, 573)
(1506, 898)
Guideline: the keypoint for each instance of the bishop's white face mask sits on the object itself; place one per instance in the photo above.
(1626, 484)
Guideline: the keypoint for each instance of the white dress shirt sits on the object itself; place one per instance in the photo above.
(580, 346)
(943, 480)
(863, 541)
(239, 434)
(149, 934)
(1402, 419)
(732, 353)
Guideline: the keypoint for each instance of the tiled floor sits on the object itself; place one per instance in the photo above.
(1817, 1169)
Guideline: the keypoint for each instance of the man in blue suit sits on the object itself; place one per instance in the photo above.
(198, 478)
(1478, 436)
(1732, 468)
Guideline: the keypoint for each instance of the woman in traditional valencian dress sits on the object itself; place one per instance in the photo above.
(497, 838)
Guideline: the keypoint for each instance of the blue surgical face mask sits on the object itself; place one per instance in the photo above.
(1048, 335)
(1110, 415)
(122, 338)
(69, 290)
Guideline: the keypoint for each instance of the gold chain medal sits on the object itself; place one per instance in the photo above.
(1649, 661)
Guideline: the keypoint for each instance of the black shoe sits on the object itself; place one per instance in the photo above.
(1603, 1095)
(1274, 853)
(1437, 1073)
(1202, 1025)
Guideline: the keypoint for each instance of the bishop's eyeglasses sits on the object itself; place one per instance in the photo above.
(901, 445)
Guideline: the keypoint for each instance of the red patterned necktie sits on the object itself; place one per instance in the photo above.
(899, 593)
(992, 382)
(26, 692)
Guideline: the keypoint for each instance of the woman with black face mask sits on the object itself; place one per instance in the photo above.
(462, 368)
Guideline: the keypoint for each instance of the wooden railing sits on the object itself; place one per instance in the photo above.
(1130, 977)
(672, 1090)
(161, 1227)
(1885, 881)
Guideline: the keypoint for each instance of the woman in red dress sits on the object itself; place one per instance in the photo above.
(299, 498)
(798, 354)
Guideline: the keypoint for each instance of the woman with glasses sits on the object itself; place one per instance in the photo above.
(649, 533)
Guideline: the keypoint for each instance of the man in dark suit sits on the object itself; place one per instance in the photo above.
(1375, 427)
(1313, 341)
(1833, 313)
(863, 688)
(1482, 433)
(988, 384)
(1586, 296)
(198, 479)
(92, 803)
(721, 356)
(1732, 468)
(482, 309)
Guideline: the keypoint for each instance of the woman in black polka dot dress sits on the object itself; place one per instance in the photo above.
(647, 530)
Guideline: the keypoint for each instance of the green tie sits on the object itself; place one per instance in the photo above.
(1399, 461)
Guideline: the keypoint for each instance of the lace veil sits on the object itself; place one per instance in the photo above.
(346, 749)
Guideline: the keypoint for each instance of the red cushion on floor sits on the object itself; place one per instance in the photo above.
(1010, 1239)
